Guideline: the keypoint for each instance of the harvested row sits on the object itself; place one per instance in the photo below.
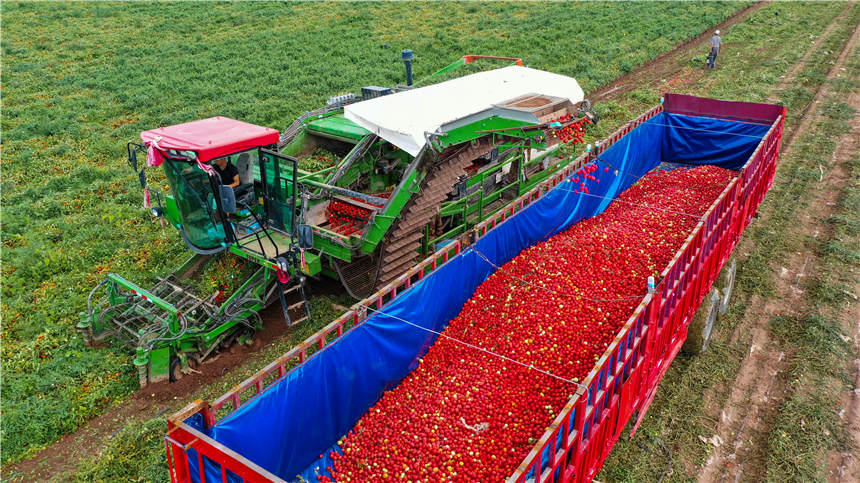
(469, 414)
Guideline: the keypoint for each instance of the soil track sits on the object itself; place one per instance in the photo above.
(666, 64)
(61, 458)
(757, 389)
(846, 465)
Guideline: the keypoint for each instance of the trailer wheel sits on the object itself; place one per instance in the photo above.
(702, 325)
(710, 319)
(730, 286)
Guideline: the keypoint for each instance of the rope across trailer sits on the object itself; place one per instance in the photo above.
(288, 415)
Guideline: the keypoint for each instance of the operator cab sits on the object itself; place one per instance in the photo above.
(258, 215)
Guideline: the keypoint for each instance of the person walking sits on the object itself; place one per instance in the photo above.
(716, 41)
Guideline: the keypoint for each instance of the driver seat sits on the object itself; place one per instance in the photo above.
(245, 191)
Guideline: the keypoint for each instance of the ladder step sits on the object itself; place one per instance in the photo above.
(296, 305)
(294, 322)
(292, 288)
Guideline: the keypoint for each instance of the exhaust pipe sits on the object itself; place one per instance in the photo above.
(407, 55)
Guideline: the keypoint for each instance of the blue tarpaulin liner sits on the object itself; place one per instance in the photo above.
(287, 427)
(701, 140)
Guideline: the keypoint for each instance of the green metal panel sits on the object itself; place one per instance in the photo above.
(189, 345)
(329, 247)
(239, 250)
(330, 273)
(159, 364)
(294, 148)
(471, 131)
(313, 262)
(360, 167)
(337, 125)
(382, 221)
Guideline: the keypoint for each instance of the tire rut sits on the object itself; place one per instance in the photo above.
(845, 466)
(666, 64)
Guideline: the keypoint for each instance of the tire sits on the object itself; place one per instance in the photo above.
(701, 326)
(175, 369)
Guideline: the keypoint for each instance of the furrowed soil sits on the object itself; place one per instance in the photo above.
(111, 437)
(845, 465)
(740, 444)
(758, 411)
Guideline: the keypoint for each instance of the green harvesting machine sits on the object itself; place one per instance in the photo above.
(246, 245)
(405, 171)
(357, 191)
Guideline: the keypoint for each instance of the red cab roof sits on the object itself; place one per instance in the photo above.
(211, 138)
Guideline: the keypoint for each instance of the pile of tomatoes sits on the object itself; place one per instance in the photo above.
(573, 132)
(346, 218)
(469, 415)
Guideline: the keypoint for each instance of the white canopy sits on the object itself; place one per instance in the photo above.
(404, 117)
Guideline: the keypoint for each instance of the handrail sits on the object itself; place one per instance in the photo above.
(265, 232)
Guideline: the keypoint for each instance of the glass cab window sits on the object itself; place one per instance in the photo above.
(280, 182)
(196, 203)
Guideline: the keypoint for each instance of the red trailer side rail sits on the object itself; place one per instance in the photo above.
(624, 379)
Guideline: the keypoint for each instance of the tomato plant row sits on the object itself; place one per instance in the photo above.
(467, 415)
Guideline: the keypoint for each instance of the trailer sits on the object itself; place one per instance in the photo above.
(282, 423)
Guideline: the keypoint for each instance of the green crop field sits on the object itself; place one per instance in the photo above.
(82, 79)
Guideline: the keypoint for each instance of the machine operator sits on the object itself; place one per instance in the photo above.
(227, 172)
